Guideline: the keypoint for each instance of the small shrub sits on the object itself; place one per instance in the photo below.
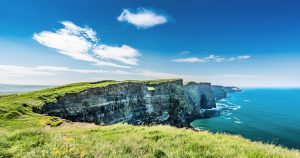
(54, 122)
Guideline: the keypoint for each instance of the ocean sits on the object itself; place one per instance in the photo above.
(267, 115)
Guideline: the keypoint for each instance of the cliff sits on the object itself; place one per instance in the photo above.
(219, 92)
(136, 102)
(231, 89)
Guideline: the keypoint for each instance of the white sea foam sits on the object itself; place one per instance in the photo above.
(238, 122)
(236, 107)
(236, 118)
(230, 103)
(199, 128)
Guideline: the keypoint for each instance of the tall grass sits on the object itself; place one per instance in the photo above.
(122, 140)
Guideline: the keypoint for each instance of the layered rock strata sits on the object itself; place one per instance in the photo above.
(168, 102)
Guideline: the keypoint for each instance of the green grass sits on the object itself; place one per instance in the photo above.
(121, 140)
(27, 134)
(161, 81)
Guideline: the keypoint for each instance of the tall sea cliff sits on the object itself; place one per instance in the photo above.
(165, 102)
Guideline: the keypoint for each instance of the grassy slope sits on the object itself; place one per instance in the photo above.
(25, 134)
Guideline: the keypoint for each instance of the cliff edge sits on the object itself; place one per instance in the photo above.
(136, 102)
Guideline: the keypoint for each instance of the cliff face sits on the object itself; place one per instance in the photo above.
(198, 96)
(219, 92)
(137, 103)
(231, 89)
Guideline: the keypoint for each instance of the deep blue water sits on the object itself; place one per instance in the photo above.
(268, 115)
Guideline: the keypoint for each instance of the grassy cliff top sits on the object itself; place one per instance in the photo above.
(15, 105)
(27, 134)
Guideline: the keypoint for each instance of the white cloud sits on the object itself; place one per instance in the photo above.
(81, 43)
(244, 57)
(69, 41)
(124, 54)
(188, 60)
(66, 69)
(143, 18)
(213, 58)
(15, 71)
(74, 29)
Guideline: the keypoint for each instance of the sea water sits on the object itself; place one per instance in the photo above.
(267, 115)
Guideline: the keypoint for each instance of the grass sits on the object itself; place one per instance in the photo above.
(153, 82)
(27, 134)
(122, 140)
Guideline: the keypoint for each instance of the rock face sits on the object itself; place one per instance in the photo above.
(219, 92)
(169, 102)
(231, 89)
(199, 96)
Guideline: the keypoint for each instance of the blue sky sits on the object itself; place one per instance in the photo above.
(243, 43)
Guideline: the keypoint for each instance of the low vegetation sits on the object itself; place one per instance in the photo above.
(27, 134)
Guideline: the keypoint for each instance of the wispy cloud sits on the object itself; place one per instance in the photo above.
(14, 74)
(210, 58)
(15, 71)
(243, 57)
(81, 43)
(66, 69)
(124, 54)
(143, 18)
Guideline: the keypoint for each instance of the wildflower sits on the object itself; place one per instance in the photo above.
(69, 139)
(55, 151)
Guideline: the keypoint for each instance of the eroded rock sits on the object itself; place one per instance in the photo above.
(170, 103)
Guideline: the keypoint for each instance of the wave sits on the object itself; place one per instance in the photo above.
(223, 108)
(238, 122)
(223, 100)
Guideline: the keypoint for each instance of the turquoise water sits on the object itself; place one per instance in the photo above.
(268, 115)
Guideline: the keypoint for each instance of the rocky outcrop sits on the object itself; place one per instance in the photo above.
(199, 96)
(168, 102)
(219, 92)
(231, 89)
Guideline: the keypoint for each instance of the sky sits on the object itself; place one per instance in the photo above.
(249, 43)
